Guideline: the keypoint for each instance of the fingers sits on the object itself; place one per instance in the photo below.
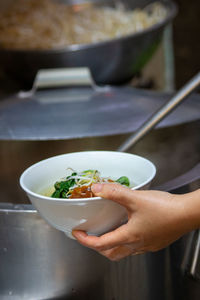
(115, 192)
(117, 253)
(113, 253)
(104, 242)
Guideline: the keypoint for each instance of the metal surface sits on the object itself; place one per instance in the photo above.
(193, 269)
(83, 112)
(38, 262)
(111, 62)
(168, 107)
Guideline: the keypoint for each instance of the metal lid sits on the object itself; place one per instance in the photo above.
(85, 110)
(82, 112)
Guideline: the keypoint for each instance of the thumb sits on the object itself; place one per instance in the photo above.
(115, 192)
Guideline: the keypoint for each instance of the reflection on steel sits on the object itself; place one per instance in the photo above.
(181, 95)
(195, 257)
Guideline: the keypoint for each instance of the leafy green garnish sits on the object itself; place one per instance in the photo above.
(56, 194)
(123, 180)
(62, 187)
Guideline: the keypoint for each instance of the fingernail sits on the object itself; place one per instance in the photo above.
(74, 233)
(77, 233)
(97, 188)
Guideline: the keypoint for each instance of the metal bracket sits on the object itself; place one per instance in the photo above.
(62, 77)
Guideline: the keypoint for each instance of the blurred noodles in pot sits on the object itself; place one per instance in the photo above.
(46, 24)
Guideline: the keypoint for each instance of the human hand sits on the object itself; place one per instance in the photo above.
(155, 220)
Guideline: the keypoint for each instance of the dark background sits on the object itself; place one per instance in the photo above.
(187, 40)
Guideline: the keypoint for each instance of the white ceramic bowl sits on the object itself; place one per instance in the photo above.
(94, 215)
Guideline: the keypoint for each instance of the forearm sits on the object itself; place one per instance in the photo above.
(191, 208)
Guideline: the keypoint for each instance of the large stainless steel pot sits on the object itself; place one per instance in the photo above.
(111, 62)
(38, 262)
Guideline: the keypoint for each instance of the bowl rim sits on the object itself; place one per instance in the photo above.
(172, 12)
(46, 198)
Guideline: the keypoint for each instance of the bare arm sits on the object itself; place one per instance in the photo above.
(155, 220)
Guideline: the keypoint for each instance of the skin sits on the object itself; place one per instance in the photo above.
(155, 220)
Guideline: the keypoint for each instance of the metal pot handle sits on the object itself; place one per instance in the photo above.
(61, 77)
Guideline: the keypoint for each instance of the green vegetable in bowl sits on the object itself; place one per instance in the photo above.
(123, 180)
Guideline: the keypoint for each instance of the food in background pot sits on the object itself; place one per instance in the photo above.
(78, 185)
(47, 24)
